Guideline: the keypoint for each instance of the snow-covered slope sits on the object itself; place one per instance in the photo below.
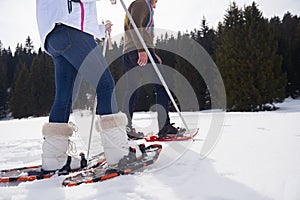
(257, 157)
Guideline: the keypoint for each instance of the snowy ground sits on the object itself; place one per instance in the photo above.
(257, 157)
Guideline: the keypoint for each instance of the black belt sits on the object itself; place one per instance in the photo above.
(70, 4)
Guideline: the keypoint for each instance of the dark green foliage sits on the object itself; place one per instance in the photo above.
(27, 82)
(3, 88)
(196, 81)
(21, 100)
(287, 33)
(42, 84)
(247, 58)
(206, 37)
(258, 59)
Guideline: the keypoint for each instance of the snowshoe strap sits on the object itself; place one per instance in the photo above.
(143, 150)
(127, 159)
(66, 169)
(83, 162)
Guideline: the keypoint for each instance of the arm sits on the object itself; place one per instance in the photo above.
(139, 11)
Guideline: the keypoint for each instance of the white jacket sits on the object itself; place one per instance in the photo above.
(82, 17)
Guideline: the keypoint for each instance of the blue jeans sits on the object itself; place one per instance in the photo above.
(75, 52)
(136, 76)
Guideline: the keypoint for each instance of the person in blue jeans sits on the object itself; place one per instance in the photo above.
(138, 69)
(67, 31)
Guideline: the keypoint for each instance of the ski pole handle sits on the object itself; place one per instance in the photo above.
(110, 46)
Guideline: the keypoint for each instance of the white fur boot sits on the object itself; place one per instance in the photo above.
(114, 137)
(56, 145)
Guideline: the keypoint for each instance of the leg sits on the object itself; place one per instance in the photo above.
(83, 53)
(56, 133)
(133, 83)
(70, 49)
(162, 99)
(128, 109)
(106, 98)
(65, 75)
(55, 147)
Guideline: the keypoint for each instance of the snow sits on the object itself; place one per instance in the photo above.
(256, 157)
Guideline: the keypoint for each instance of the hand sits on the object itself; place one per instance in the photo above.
(143, 58)
(159, 59)
(108, 26)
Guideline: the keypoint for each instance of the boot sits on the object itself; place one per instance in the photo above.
(114, 137)
(132, 134)
(55, 148)
(170, 131)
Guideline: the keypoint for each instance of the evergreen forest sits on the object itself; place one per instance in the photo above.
(258, 58)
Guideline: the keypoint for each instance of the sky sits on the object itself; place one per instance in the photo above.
(18, 21)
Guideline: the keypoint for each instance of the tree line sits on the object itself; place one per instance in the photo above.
(27, 82)
(258, 58)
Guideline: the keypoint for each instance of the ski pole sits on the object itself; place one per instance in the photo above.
(154, 64)
(106, 41)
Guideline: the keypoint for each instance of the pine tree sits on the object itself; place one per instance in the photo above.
(1, 46)
(205, 36)
(196, 81)
(289, 48)
(190, 73)
(268, 77)
(11, 66)
(248, 62)
(3, 69)
(228, 57)
(6, 74)
(25, 54)
(20, 102)
(296, 56)
(3, 87)
(42, 85)
(29, 48)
